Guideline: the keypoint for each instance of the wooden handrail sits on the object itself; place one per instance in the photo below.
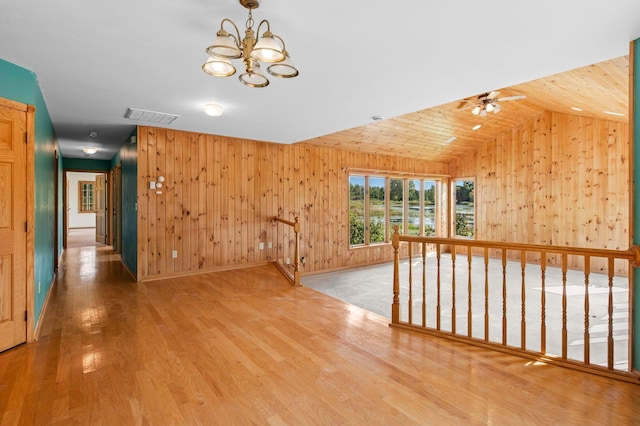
(632, 254)
(295, 279)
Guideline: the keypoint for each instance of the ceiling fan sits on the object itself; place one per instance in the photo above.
(488, 102)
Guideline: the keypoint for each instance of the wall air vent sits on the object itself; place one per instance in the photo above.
(150, 116)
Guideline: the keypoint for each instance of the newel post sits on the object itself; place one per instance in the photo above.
(296, 271)
(395, 306)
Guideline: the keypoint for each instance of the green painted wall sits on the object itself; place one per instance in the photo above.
(128, 156)
(82, 164)
(636, 200)
(21, 85)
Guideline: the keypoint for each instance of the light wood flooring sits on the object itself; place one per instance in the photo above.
(244, 347)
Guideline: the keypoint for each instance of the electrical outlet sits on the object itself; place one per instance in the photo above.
(270, 244)
(152, 185)
(261, 246)
(288, 261)
(174, 254)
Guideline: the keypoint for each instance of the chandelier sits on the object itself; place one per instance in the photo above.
(254, 49)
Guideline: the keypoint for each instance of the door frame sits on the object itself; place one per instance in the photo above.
(65, 200)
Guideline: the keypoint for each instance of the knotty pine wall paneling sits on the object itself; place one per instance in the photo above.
(220, 195)
(557, 179)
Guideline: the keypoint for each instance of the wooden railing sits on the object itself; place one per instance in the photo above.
(289, 269)
(489, 294)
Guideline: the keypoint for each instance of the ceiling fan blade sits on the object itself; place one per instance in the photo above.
(511, 98)
(493, 94)
(462, 104)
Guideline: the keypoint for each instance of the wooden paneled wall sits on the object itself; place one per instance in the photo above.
(220, 194)
(557, 179)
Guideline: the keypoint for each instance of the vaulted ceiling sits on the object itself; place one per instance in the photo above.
(410, 62)
(599, 91)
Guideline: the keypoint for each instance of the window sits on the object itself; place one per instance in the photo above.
(464, 210)
(377, 210)
(356, 209)
(396, 204)
(86, 197)
(429, 209)
(378, 203)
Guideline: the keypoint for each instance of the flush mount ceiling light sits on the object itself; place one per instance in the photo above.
(89, 150)
(476, 127)
(253, 49)
(214, 110)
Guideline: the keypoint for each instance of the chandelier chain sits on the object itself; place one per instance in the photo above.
(250, 20)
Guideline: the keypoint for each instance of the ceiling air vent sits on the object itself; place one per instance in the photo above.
(150, 116)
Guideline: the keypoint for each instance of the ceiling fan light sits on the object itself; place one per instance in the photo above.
(496, 108)
(489, 107)
(218, 67)
(224, 46)
(476, 110)
(267, 49)
(284, 69)
(483, 113)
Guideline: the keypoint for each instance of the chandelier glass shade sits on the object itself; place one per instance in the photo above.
(255, 48)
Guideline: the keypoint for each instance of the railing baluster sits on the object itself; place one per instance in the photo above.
(564, 306)
(504, 296)
(424, 284)
(543, 303)
(453, 289)
(395, 306)
(469, 288)
(587, 270)
(438, 248)
(610, 310)
(523, 321)
(410, 318)
(486, 294)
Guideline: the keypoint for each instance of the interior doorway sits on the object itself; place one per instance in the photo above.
(86, 209)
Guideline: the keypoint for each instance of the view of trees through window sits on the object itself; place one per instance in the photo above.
(465, 208)
(413, 198)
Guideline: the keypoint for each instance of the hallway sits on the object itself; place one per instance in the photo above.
(244, 347)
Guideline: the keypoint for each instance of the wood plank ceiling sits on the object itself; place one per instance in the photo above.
(424, 134)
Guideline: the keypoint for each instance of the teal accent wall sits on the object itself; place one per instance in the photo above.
(21, 85)
(128, 156)
(635, 139)
(82, 164)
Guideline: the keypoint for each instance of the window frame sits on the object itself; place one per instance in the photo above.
(454, 208)
(439, 182)
(81, 197)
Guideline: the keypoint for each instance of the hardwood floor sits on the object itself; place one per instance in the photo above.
(245, 347)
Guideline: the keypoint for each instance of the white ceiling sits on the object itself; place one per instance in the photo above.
(356, 59)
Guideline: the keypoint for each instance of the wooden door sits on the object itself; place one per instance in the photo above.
(13, 226)
(101, 210)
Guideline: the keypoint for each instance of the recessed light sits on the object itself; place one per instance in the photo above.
(476, 127)
(214, 110)
(89, 150)
(617, 114)
(451, 139)
(576, 109)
